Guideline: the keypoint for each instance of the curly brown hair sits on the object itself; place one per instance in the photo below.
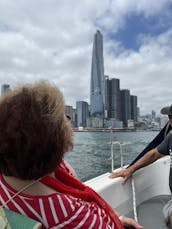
(34, 132)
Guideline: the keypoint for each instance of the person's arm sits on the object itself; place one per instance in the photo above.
(147, 159)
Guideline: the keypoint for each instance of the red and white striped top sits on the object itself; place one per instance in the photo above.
(56, 210)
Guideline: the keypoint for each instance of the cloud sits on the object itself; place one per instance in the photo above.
(147, 73)
(53, 40)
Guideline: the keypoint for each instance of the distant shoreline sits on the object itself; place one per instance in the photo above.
(112, 130)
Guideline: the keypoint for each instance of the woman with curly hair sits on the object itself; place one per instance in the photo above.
(34, 179)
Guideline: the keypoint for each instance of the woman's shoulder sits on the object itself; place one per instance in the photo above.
(49, 209)
(54, 209)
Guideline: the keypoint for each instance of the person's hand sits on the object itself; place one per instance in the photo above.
(125, 173)
(130, 223)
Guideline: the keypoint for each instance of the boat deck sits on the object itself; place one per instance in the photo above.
(150, 213)
(148, 188)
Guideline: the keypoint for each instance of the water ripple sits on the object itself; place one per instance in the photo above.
(91, 152)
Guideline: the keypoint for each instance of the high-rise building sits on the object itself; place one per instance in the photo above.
(134, 108)
(97, 87)
(5, 88)
(125, 106)
(106, 106)
(82, 113)
(70, 111)
(114, 99)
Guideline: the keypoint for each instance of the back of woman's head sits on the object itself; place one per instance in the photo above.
(34, 132)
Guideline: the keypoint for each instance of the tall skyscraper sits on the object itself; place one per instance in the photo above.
(82, 113)
(114, 99)
(125, 106)
(5, 88)
(106, 106)
(97, 87)
(134, 108)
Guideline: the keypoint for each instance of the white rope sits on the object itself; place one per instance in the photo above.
(134, 199)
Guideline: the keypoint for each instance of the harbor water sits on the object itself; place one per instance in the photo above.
(90, 156)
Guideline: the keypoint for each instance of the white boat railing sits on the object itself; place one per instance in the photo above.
(132, 179)
(112, 154)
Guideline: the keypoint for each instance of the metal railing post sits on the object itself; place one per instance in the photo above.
(112, 154)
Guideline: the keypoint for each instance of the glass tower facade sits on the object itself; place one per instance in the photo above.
(82, 113)
(125, 106)
(97, 90)
(114, 99)
(134, 108)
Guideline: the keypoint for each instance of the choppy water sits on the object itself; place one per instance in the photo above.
(91, 153)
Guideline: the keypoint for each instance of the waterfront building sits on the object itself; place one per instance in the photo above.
(125, 106)
(5, 88)
(114, 99)
(69, 110)
(82, 113)
(106, 107)
(95, 122)
(75, 117)
(97, 84)
(130, 123)
(134, 108)
(113, 123)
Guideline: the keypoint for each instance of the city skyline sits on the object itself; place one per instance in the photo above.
(108, 102)
(56, 45)
(6, 87)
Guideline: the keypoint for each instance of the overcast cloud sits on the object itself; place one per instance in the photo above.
(52, 39)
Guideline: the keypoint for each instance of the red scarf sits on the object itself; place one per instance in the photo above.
(65, 183)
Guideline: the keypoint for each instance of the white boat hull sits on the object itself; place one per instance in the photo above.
(150, 181)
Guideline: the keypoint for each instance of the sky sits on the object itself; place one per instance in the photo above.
(52, 40)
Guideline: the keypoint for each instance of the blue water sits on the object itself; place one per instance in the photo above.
(91, 153)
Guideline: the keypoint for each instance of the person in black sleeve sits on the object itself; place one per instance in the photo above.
(160, 136)
(162, 147)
